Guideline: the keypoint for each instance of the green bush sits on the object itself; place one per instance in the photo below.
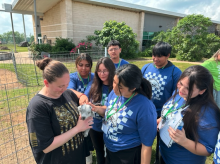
(113, 30)
(63, 44)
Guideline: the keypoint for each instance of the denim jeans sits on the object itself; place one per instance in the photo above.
(216, 95)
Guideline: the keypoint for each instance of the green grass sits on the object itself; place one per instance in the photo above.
(11, 47)
(19, 98)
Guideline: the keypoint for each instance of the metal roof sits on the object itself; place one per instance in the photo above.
(44, 5)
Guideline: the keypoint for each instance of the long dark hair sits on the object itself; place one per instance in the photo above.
(200, 77)
(130, 76)
(95, 93)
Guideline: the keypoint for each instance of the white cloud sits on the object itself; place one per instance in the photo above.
(209, 8)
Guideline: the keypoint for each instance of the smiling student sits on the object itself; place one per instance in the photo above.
(193, 97)
(97, 92)
(114, 50)
(54, 125)
(80, 79)
(130, 118)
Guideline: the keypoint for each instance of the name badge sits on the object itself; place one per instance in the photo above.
(105, 127)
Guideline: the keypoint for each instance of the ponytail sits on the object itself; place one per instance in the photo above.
(145, 88)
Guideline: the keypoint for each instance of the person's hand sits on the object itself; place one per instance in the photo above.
(83, 99)
(158, 121)
(83, 125)
(178, 136)
(94, 108)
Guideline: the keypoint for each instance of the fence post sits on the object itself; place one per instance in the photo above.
(14, 64)
(78, 51)
(105, 51)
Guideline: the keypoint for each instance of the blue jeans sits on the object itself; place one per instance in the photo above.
(216, 95)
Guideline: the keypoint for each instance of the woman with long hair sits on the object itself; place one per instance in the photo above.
(80, 79)
(213, 65)
(97, 92)
(196, 135)
(130, 118)
(54, 125)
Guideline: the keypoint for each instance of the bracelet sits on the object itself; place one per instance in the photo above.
(81, 95)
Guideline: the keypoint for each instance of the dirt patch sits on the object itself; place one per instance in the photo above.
(8, 80)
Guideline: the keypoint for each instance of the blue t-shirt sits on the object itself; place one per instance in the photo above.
(207, 132)
(97, 119)
(163, 81)
(131, 126)
(216, 157)
(76, 84)
(122, 63)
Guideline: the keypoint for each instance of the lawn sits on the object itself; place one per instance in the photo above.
(11, 47)
(18, 98)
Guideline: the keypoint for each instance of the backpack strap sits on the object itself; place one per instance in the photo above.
(146, 68)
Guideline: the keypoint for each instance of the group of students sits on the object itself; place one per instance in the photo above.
(129, 103)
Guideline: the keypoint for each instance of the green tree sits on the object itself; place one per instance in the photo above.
(190, 39)
(8, 37)
(113, 30)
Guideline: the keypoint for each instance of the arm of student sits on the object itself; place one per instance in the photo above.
(180, 138)
(146, 154)
(82, 97)
(58, 141)
(72, 83)
(98, 109)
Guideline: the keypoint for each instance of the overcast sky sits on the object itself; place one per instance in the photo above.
(209, 8)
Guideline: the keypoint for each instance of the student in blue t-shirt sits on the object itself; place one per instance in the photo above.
(80, 79)
(130, 118)
(163, 76)
(114, 50)
(193, 97)
(97, 91)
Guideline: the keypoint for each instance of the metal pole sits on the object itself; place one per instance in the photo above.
(35, 17)
(12, 26)
(105, 51)
(24, 28)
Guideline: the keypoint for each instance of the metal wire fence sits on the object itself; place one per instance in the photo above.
(20, 80)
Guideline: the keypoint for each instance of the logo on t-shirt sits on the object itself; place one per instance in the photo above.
(117, 120)
(67, 116)
(157, 83)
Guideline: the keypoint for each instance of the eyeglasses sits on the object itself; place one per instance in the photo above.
(113, 49)
(104, 72)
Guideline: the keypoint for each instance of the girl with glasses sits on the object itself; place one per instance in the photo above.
(97, 92)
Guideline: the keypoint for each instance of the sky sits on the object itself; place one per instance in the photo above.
(209, 8)
(5, 21)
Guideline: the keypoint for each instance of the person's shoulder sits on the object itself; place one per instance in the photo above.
(38, 106)
(124, 61)
(70, 94)
(145, 103)
(145, 66)
(74, 75)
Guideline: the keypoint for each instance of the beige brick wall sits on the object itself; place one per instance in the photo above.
(76, 20)
(87, 18)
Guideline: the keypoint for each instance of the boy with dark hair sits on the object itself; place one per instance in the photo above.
(163, 76)
(114, 50)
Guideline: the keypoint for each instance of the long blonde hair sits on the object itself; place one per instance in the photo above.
(215, 56)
